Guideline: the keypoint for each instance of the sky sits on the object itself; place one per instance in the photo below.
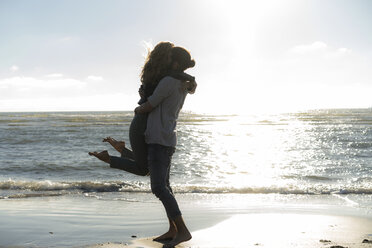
(251, 56)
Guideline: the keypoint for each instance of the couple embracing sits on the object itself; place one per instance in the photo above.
(152, 132)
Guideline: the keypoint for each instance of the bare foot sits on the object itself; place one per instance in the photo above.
(118, 145)
(166, 237)
(104, 156)
(180, 237)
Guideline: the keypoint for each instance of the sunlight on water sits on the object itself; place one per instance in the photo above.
(289, 152)
(313, 152)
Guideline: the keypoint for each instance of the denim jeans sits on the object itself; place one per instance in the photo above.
(159, 161)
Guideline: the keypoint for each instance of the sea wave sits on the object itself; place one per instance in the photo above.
(23, 189)
(85, 186)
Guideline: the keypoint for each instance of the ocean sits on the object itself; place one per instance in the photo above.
(318, 152)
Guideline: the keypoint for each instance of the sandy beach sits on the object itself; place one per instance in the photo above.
(215, 220)
(279, 230)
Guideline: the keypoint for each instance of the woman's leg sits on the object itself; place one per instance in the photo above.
(134, 161)
(126, 164)
(126, 153)
(120, 147)
(137, 141)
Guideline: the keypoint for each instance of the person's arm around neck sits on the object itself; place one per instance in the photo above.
(143, 108)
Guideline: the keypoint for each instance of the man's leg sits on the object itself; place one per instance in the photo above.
(172, 231)
(169, 235)
(183, 234)
(159, 158)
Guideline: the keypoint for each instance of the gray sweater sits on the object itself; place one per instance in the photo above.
(167, 101)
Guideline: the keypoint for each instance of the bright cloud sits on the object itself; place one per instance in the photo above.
(340, 52)
(56, 93)
(317, 75)
(309, 48)
(94, 78)
(18, 87)
(97, 102)
(30, 82)
(14, 68)
(344, 50)
(320, 49)
(54, 75)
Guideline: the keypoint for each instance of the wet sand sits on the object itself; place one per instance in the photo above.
(215, 220)
(275, 230)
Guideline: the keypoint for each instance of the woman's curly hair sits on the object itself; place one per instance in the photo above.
(157, 63)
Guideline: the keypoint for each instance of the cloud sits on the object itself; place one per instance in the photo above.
(94, 78)
(97, 102)
(341, 52)
(18, 87)
(309, 48)
(61, 94)
(320, 49)
(54, 75)
(56, 92)
(14, 68)
(344, 50)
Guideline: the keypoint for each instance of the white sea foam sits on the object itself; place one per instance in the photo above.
(23, 189)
